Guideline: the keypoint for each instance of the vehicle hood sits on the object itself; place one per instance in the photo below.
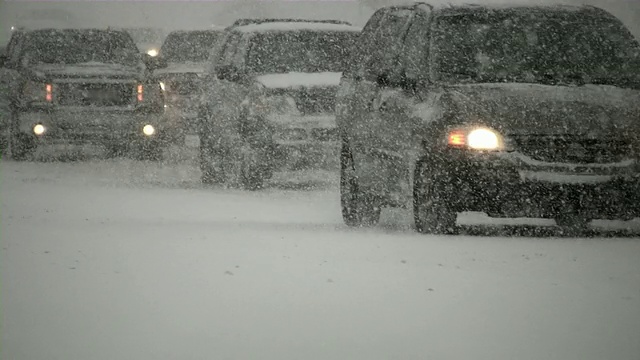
(528, 109)
(299, 79)
(87, 70)
(182, 68)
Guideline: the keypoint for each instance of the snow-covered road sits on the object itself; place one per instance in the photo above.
(130, 260)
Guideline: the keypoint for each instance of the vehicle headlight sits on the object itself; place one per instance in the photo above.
(163, 86)
(152, 52)
(39, 129)
(476, 138)
(483, 139)
(148, 130)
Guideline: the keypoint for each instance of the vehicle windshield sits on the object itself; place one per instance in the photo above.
(300, 51)
(192, 46)
(80, 46)
(145, 35)
(534, 46)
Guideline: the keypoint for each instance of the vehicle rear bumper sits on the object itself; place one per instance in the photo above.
(508, 186)
(302, 154)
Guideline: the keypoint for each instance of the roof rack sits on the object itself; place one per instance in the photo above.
(243, 22)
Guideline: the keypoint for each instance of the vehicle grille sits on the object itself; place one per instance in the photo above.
(95, 94)
(315, 100)
(569, 149)
(325, 134)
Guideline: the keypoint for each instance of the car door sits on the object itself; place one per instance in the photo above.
(229, 94)
(347, 95)
(374, 140)
(398, 127)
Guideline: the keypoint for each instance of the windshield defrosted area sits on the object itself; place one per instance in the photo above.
(534, 46)
(80, 46)
(300, 51)
(193, 46)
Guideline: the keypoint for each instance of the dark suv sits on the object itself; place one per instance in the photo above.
(82, 86)
(186, 53)
(271, 106)
(516, 111)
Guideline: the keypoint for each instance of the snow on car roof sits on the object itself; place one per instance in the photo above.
(508, 6)
(296, 26)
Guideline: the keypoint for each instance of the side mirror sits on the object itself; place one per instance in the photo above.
(229, 73)
(154, 62)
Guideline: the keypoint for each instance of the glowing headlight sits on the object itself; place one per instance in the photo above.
(483, 139)
(162, 86)
(152, 52)
(476, 139)
(148, 130)
(39, 129)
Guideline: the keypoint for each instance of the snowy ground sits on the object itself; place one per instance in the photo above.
(133, 260)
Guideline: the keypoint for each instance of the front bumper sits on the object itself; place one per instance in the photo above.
(513, 185)
(90, 126)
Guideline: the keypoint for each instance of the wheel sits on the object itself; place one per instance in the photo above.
(433, 212)
(252, 170)
(210, 164)
(358, 208)
(22, 147)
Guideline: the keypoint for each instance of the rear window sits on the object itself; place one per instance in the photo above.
(300, 51)
(192, 46)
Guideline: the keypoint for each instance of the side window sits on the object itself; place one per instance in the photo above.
(216, 53)
(415, 53)
(229, 49)
(388, 40)
(13, 50)
(365, 43)
(238, 57)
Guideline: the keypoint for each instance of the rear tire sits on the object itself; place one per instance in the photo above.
(433, 212)
(252, 171)
(359, 209)
(211, 173)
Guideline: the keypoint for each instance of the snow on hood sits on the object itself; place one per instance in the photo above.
(181, 68)
(88, 69)
(298, 79)
(541, 109)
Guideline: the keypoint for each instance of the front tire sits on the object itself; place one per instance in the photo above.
(210, 166)
(252, 169)
(358, 208)
(22, 146)
(433, 211)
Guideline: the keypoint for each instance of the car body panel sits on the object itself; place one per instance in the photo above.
(90, 101)
(558, 139)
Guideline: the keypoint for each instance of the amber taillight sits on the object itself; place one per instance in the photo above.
(457, 138)
(48, 92)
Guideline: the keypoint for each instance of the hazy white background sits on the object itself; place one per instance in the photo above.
(195, 14)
